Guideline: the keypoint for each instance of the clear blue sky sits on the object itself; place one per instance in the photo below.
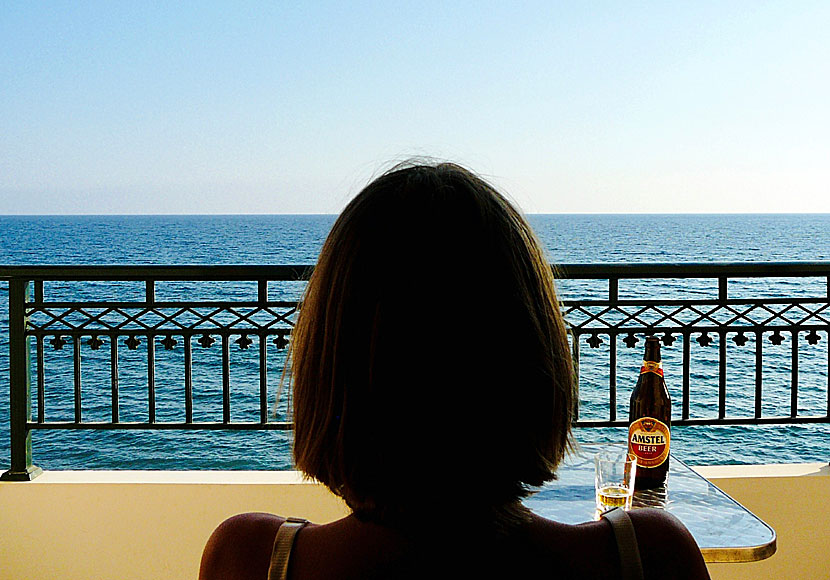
(271, 108)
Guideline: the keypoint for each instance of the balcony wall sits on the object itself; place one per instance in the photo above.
(125, 525)
(791, 499)
(88, 525)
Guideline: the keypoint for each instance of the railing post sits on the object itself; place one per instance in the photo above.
(20, 404)
(575, 358)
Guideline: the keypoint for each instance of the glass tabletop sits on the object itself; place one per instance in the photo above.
(724, 530)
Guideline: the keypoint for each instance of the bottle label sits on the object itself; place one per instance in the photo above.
(649, 439)
(652, 367)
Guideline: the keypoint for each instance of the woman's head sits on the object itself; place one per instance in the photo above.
(430, 361)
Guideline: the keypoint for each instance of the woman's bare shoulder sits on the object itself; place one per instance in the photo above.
(659, 525)
(667, 548)
(240, 547)
(585, 550)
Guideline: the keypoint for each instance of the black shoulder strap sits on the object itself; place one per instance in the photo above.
(282, 548)
(632, 567)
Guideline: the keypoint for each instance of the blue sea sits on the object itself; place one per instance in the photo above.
(297, 239)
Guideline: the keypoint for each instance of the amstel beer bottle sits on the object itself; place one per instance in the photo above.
(649, 420)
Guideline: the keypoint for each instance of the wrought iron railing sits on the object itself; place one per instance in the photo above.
(718, 319)
(602, 320)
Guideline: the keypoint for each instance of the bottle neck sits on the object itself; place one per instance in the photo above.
(652, 350)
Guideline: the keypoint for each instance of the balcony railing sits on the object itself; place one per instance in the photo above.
(142, 315)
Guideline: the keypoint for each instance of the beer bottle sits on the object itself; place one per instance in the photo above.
(649, 420)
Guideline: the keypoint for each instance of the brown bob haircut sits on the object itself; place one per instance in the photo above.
(430, 362)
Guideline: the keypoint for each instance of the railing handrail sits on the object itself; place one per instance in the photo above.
(694, 270)
(133, 272)
(277, 272)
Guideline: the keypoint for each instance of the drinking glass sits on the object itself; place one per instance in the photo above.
(614, 482)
